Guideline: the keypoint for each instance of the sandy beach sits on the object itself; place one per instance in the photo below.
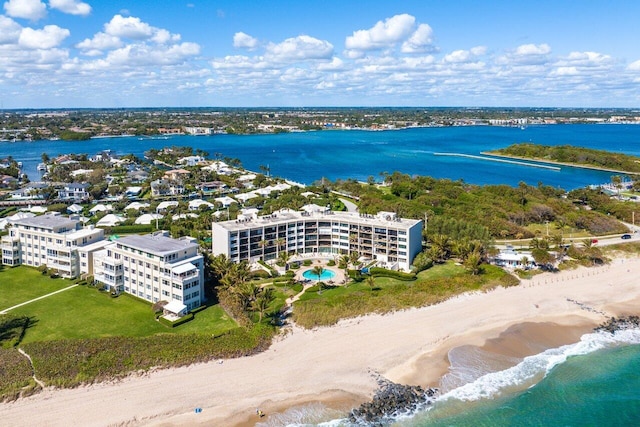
(334, 365)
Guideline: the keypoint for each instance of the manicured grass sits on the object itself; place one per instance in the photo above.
(85, 312)
(20, 284)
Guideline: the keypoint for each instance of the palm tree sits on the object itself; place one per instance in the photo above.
(472, 263)
(262, 301)
(317, 271)
(440, 249)
(284, 258)
(354, 257)
(370, 281)
(557, 240)
(280, 241)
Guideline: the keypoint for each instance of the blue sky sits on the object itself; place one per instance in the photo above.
(228, 53)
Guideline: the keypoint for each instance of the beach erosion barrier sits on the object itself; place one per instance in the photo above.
(494, 159)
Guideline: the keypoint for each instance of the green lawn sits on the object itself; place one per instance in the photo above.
(85, 312)
(21, 284)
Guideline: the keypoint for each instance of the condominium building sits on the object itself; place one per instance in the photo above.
(51, 240)
(391, 241)
(153, 267)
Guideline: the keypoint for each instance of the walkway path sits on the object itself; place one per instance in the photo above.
(36, 299)
(351, 207)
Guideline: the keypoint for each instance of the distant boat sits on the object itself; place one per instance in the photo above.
(42, 167)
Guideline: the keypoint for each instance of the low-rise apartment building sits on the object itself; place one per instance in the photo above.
(51, 240)
(392, 241)
(153, 267)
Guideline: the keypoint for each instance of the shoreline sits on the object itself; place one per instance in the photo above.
(334, 365)
(551, 162)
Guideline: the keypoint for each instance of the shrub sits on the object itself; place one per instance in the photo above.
(184, 319)
(132, 229)
(382, 272)
(306, 262)
(331, 263)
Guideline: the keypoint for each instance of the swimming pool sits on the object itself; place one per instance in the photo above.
(326, 275)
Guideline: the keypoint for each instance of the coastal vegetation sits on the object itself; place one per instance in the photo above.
(573, 155)
(386, 295)
(464, 211)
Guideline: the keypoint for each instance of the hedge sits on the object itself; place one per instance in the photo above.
(382, 272)
(184, 319)
(131, 229)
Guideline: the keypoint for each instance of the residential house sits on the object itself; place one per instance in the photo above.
(74, 192)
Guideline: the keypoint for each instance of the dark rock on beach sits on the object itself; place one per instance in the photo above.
(618, 324)
(389, 401)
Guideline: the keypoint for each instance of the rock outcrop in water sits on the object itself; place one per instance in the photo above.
(618, 324)
(389, 401)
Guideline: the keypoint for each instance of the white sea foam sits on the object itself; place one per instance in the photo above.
(534, 368)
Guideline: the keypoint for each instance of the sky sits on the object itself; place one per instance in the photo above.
(309, 53)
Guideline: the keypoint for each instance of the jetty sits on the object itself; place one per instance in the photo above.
(493, 159)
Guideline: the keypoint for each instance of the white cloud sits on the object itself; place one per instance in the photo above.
(142, 54)
(462, 56)
(335, 65)
(634, 66)
(46, 38)
(99, 43)
(27, 9)
(245, 41)
(382, 34)
(129, 27)
(532, 49)
(72, 7)
(565, 71)
(458, 56)
(162, 36)
(9, 30)
(421, 41)
(299, 48)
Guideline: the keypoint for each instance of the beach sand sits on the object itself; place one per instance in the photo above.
(334, 365)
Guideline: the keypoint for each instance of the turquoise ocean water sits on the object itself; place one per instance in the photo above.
(595, 382)
(307, 157)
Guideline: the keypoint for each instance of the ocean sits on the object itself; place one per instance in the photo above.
(593, 382)
(307, 157)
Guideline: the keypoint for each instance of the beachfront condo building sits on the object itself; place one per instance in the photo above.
(153, 267)
(51, 240)
(391, 241)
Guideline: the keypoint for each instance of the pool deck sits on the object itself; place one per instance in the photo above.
(338, 278)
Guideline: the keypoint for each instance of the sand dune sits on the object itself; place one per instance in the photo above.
(334, 364)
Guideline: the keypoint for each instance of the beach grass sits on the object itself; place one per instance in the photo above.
(432, 286)
(20, 284)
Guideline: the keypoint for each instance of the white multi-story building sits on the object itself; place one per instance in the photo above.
(51, 240)
(153, 267)
(393, 242)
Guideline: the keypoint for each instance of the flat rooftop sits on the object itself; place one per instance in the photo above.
(47, 221)
(156, 244)
(286, 216)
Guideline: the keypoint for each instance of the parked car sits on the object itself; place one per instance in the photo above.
(594, 241)
(625, 236)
